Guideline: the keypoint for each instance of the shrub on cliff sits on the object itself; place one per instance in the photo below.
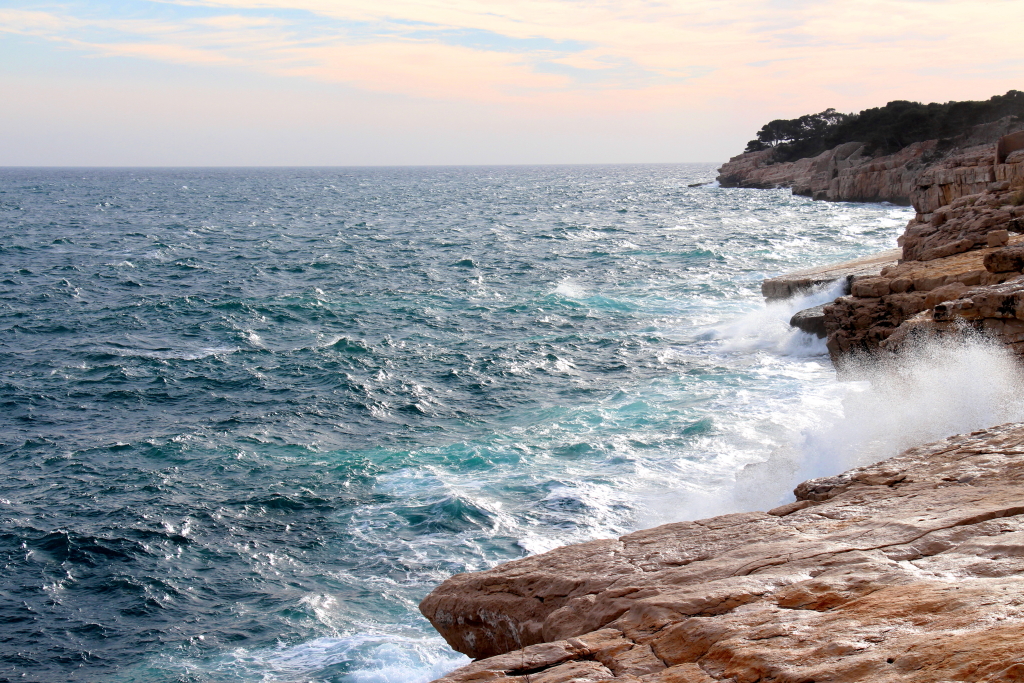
(883, 130)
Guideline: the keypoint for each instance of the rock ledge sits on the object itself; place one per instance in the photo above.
(908, 570)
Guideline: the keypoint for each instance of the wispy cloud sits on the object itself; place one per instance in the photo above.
(526, 50)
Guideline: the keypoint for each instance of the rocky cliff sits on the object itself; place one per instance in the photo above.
(908, 570)
(846, 173)
(957, 253)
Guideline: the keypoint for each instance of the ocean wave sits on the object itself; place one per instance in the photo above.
(319, 392)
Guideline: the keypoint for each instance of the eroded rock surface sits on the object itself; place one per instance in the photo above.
(908, 570)
(963, 242)
(878, 306)
(995, 310)
(969, 197)
(983, 201)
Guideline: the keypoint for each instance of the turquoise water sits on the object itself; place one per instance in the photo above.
(252, 416)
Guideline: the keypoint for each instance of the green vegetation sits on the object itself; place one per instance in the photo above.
(883, 130)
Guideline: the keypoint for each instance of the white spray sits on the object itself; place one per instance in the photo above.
(933, 390)
(768, 329)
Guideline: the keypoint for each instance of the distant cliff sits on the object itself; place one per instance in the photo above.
(961, 262)
(847, 172)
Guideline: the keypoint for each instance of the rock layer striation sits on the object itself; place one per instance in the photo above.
(847, 173)
(908, 570)
(964, 244)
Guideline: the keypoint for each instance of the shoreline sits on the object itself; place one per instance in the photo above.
(825, 588)
(879, 573)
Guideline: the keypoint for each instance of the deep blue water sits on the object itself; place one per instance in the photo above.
(251, 417)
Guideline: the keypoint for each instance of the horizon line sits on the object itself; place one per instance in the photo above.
(299, 166)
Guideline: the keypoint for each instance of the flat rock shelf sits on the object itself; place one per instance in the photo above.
(906, 570)
(800, 281)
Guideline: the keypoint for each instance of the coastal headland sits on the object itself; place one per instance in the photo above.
(905, 570)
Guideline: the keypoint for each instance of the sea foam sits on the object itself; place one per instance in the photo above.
(877, 408)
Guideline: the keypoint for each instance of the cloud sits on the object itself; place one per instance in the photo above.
(467, 81)
(35, 23)
(175, 54)
(554, 51)
(423, 70)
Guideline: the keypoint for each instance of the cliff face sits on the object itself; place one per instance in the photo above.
(840, 174)
(908, 570)
(969, 198)
(954, 259)
(845, 173)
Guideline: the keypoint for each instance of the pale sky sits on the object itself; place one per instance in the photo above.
(367, 82)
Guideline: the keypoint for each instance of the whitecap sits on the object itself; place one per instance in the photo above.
(768, 328)
(173, 354)
(367, 658)
(569, 288)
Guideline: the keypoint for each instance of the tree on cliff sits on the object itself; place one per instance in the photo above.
(883, 130)
(795, 131)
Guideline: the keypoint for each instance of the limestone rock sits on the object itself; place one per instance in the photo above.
(802, 281)
(998, 238)
(861, 324)
(870, 287)
(1007, 145)
(864, 324)
(1005, 260)
(971, 222)
(926, 174)
(908, 570)
(843, 173)
(954, 290)
(996, 310)
(811, 321)
(1005, 300)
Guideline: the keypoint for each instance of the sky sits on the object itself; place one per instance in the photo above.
(396, 82)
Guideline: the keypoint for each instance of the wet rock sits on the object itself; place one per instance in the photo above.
(803, 281)
(864, 324)
(811, 321)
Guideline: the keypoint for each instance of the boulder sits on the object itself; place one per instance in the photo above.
(949, 292)
(811, 321)
(1005, 260)
(998, 238)
(870, 287)
(1007, 145)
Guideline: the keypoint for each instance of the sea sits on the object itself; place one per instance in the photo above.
(250, 417)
